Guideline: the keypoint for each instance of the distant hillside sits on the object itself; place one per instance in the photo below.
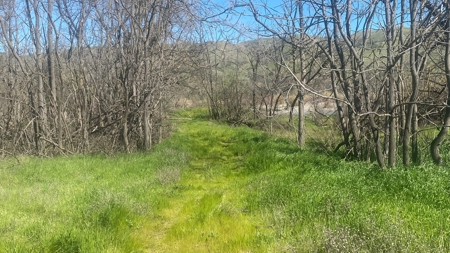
(377, 37)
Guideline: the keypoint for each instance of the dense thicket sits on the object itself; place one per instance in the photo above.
(88, 76)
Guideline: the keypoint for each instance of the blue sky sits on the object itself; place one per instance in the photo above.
(239, 23)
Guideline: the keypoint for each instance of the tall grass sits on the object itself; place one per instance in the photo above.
(318, 203)
(213, 188)
(82, 203)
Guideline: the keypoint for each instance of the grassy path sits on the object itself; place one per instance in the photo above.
(208, 214)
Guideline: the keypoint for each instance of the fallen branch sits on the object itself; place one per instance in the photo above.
(56, 145)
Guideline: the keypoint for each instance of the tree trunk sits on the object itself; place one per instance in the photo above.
(436, 143)
(147, 125)
(340, 109)
(126, 109)
(301, 71)
(55, 105)
(389, 12)
(301, 119)
(415, 144)
(35, 26)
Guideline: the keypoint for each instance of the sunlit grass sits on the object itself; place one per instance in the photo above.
(209, 214)
(79, 204)
(214, 188)
(339, 206)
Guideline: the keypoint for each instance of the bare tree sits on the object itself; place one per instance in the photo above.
(34, 23)
(293, 28)
(437, 141)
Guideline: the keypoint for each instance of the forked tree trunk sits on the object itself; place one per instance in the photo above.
(436, 143)
(340, 109)
(411, 115)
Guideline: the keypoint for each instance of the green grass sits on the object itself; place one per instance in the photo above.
(340, 206)
(213, 188)
(82, 203)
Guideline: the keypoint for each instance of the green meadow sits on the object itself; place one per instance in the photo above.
(214, 188)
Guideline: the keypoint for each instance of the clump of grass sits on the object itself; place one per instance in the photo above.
(168, 175)
(67, 242)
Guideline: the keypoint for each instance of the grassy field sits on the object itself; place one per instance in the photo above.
(213, 188)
